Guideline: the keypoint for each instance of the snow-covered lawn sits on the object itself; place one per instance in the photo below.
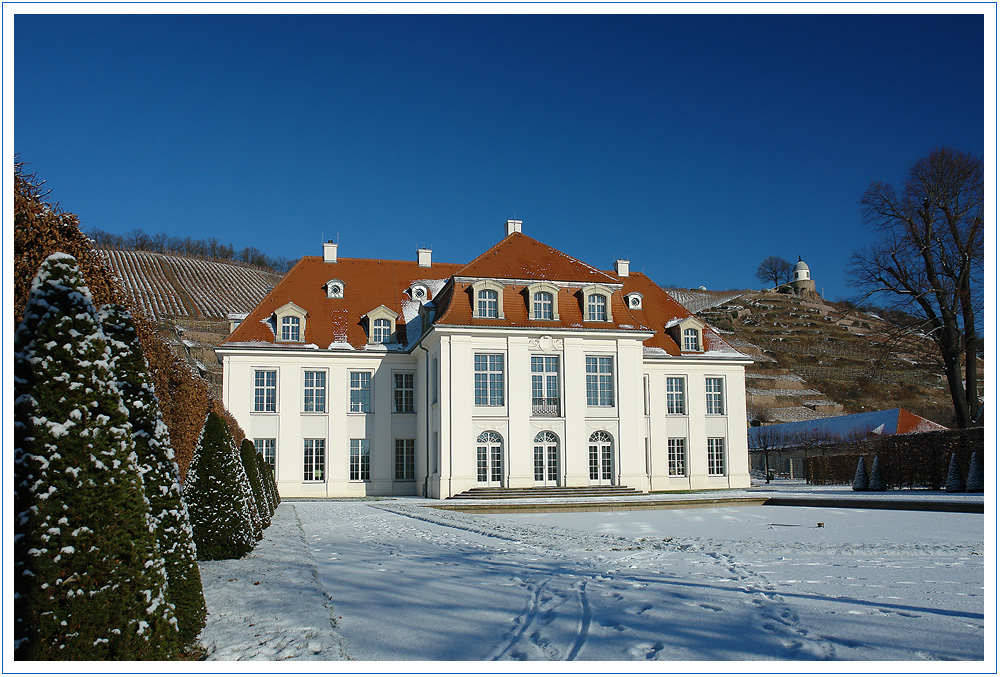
(399, 580)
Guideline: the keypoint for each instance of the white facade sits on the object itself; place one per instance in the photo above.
(561, 405)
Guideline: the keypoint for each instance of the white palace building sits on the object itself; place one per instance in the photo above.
(523, 368)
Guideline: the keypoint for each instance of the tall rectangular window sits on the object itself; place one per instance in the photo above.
(716, 456)
(360, 460)
(314, 391)
(313, 460)
(402, 393)
(265, 447)
(291, 328)
(489, 380)
(404, 459)
(545, 386)
(675, 456)
(361, 392)
(265, 390)
(542, 305)
(714, 401)
(488, 303)
(675, 395)
(600, 382)
(597, 308)
(691, 339)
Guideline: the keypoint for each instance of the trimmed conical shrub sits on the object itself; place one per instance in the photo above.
(267, 473)
(89, 579)
(955, 482)
(215, 492)
(248, 456)
(160, 475)
(861, 476)
(876, 482)
(974, 484)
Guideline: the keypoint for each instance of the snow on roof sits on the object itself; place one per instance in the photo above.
(847, 428)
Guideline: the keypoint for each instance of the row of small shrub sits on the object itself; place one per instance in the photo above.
(957, 481)
(106, 538)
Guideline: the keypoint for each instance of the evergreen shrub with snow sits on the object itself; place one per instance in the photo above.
(861, 476)
(248, 456)
(270, 485)
(876, 482)
(160, 475)
(974, 484)
(89, 579)
(955, 482)
(216, 494)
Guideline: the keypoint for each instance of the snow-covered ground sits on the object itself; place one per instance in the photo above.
(397, 579)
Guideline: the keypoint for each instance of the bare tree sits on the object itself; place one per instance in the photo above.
(929, 260)
(774, 269)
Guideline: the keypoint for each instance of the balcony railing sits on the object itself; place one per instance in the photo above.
(544, 406)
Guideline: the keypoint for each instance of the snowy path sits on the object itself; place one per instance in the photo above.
(415, 583)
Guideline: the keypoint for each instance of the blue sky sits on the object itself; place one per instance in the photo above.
(695, 146)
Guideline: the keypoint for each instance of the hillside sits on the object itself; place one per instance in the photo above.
(814, 359)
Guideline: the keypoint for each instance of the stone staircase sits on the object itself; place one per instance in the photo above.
(548, 492)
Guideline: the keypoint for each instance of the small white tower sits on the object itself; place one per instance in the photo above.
(802, 281)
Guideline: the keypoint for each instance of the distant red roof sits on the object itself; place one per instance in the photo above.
(519, 257)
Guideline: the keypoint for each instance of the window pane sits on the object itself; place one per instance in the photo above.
(361, 392)
(488, 380)
(714, 396)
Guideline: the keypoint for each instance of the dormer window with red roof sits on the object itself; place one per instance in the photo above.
(381, 326)
(487, 300)
(291, 323)
(381, 331)
(687, 333)
(543, 301)
(598, 303)
(691, 339)
(335, 289)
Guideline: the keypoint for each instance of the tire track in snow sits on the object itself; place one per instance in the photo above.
(586, 615)
(529, 615)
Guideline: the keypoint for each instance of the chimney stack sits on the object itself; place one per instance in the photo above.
(513, 226)
(329, 252)
(424, 258)
(621, 267)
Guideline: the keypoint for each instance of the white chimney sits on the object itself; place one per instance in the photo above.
(621, 267)
(329, 252)
(513, 226)
(424, 258)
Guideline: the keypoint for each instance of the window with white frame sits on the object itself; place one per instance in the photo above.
(600, 382)
(714, 400)
(402, 393)
(676, 456)
(487, 302)
(360, 469)
(291, 328)
(381, 331)
(314, 391)
(545, 386)
(361, 392)
(542, 305)
(265, 390)
(675, 395)
(404, 459)
(716, 456)
(691, 339)
(489, 380)
(313, 460)
(597, 308)
(265, 446)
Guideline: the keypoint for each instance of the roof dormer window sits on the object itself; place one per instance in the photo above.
(688, 333)
(381, 325)
(418, 292)
(634, 300)
(543, 301)
(487, 300)
(291, 323)
(597, 303)
(335, 289)
(691, 341)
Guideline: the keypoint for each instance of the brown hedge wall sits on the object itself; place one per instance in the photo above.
(917, 461)
(41, 229)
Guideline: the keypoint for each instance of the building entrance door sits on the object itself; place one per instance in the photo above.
(546, 459)
(489, 459)
(601, 458)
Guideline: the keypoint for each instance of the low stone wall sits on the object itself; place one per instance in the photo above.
(915, 461)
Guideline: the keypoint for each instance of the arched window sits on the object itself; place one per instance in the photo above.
(381, 331)
(291, 328)
(489, 458)
(542, 305)
(601, 458)
(487, 302)
(597, 308)
(547, 458)
(691, 339)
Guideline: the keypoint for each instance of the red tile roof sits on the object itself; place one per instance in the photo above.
(369, 283)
